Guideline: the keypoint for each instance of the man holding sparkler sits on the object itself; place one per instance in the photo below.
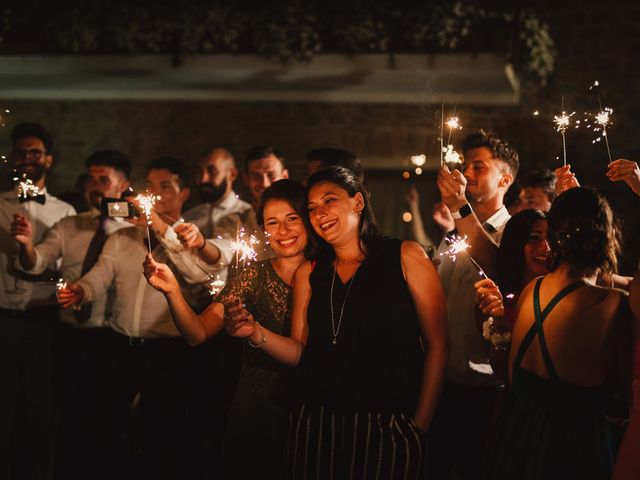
(28, 313)
(475, 198)
(144, 353)
(77, 241)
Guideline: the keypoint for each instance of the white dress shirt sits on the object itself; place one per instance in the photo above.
(18, 293)
(468, 364)
(69, 241)
(138, 309)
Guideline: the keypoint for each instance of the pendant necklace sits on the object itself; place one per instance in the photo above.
(335, 329)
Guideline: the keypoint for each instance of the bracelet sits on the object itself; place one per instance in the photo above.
(499, 340)
(263, 340)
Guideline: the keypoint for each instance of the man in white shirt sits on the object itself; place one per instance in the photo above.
(461, 423)
(28, 313)
(146, 355)
(76, 242)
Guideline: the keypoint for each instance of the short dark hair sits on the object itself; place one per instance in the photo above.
(296, 195)
(510, 261)
(174, 165)
(262, 151)
(337, 157)
(30, 129)
(344, 178)
(540, 177)
(499, 148)
(583, 233)
(110, 158)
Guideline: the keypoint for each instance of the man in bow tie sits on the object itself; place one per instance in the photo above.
(28, 312)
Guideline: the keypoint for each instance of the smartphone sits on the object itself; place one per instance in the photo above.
(115, 207)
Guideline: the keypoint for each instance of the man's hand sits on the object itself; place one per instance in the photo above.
(627, 171)
(442, 216)
(70, 296)
(565, 179)
(452, 186)
(190, 236)
(21, 229)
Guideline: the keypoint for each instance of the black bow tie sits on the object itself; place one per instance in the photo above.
(35, 198)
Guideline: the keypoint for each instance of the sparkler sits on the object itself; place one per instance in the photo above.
(147, 202)
(244, 247)
(562, 123)
(457, 245)
(215, 285)
(442, 134)
(61, 285)
(26, 187)
(602, 119)
(450, 155)
(453, 122)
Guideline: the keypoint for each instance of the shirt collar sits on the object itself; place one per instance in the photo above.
(497, 220)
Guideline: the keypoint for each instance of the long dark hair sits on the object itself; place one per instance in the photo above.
(295, 194)
(583, 233)
(369, 233)
(510, 261)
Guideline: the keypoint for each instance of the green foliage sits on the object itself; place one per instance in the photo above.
(291, 31)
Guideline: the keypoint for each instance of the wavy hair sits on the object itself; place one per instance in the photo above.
(583, 233)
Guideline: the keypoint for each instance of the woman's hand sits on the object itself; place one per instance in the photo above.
(70, 296)
(626, 171)
(238, 321)
(565, 179)
(489, 298)
(159, 276)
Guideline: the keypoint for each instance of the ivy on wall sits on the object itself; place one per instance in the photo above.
(288, 31)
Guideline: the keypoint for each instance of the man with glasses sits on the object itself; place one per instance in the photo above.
(28, 312)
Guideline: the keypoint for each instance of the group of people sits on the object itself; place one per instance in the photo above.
(339, 352)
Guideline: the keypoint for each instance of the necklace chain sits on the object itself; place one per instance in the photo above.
(335, 329)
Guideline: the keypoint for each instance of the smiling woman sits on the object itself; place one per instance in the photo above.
(369, 334)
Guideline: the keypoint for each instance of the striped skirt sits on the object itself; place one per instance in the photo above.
(327, 444)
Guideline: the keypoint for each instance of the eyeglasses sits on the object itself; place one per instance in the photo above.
(30, 154)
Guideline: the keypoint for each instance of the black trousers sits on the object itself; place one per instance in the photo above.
(26, 405)
(140, 410)
(77, 354)
(460, 433)
(328, 444)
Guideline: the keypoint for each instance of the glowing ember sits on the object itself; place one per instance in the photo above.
(451, 156)
(244, 248)
(453, 122)
(562, 122)
(147, 202)
(26, 187)
(61, 285)
(215, 285)
(603, 118)
(457, 244)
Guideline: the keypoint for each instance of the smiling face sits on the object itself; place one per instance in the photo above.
(30, 158)
(486, 176)
(104, 181)
(285, 228)
(261, 173)
(334, 215)
(166, 184)
(536, 251)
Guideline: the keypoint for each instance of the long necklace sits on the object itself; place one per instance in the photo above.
(335, 329)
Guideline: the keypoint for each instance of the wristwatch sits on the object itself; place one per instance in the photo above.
(464, 211)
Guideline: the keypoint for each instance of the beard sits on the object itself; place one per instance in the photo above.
(32, 171)
(211, 193)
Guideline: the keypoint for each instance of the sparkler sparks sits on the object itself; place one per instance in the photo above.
(215, 285)
(601, 121)
(61, 285)
(457, 245)
(451, 156)
(244, 247)
(147, 202)
(453, 123)
(26, 187)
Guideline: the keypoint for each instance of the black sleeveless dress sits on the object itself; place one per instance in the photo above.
(550, 429)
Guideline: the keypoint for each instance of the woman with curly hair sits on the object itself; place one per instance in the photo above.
(567, 336)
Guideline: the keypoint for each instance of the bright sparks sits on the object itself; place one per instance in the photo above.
(26, 187)
(562, 122)
(451, 156)
(457, 244)
(147, 202)
(215, 285)
(244, 247)
(453, 122)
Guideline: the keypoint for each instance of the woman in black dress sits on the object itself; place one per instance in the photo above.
(369, 334)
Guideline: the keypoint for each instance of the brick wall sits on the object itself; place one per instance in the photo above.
(595, 40)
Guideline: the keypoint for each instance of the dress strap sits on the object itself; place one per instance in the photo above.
(536, 328)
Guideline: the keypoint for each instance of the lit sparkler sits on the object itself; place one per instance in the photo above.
(244, 247)
(562, 123)
(26, 187)
(453, 122)
(451, 156)
(602, 119)
(215, 285)
(61, 285)
(147, 202)
(457, 245)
